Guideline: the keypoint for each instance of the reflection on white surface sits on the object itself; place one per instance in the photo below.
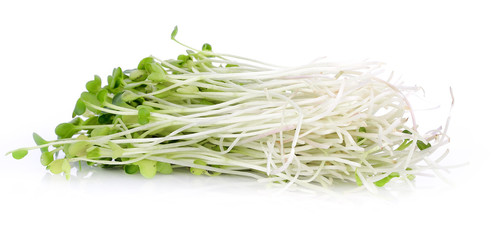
(103, 181)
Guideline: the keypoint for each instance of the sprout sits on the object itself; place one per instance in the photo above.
(210, 113)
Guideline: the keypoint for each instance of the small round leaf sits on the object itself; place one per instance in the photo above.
(19, 154)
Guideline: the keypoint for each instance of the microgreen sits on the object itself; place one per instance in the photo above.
(60, 166)
(206, 47)
(131, 168)
(116, 80)
(95, 85)
(145, 62)
(100, 131)
(106, 118)
(65, 130)
(407, 142)
(117, 151)
(93, 154)
(101, 96)
(164, 168)
(148, 168)
(198, 171)
(385, 180)
(80, 108)
(19, 154)
(40, 141)
(208, 114)
(78, 149)
(143, 115)
(174, 33)
(46, 158)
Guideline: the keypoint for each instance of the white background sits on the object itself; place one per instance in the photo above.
(50, 49)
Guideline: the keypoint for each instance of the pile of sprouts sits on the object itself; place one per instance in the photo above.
(209, 113)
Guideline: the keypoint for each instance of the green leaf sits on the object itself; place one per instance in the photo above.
(65, 130)
(406, 131)
(56, 166)
(80, 108)
(385, 180)
(101, 96)
(78, 149)
(145, 62)
(106, 118)
(206, 47)
(164, 168)
(117, 151)
(128, 96)
(138, 75)
(174, 33)
(404, 145)
(147, 167)
(231, 65)
(183, 58)
(40, 141)
(213, 173)
(421, 145)
(117, 99)
(90, 98)
(46, 158)
(95, 153)
(95, 85)
(76, 121)
(143, 115)
(19, 154)
(191, 89)
(198, 171)
(129, 119)
(131, 169)
(60, 165)
(117, 78)
(91, 121)
(155, 67)
(157, 77)
(358, 180)
(101, 131)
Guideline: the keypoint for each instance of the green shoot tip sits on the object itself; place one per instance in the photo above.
(19, 154)
(174, 33)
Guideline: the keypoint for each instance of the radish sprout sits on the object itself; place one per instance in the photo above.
(210, 113)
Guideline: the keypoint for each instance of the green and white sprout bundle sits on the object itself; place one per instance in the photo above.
(314, 125)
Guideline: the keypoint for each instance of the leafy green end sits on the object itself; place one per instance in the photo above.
(148, 168)
(19, 154)
(206, 47)
(80, 108)
(65, 130)
(385, 180)
(164, 168)
(198, 171)
(46, 158)
(174, 33)
(40, 141)
(131, 168)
